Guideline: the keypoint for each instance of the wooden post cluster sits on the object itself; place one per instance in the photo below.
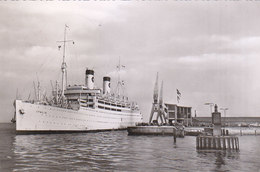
(217, 142)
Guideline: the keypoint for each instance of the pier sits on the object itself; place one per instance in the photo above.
(156, 130)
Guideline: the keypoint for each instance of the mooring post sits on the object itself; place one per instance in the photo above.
(255, 132)
(174, 135)
(240, 132)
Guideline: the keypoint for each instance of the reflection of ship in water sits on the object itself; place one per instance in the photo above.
(76, 108)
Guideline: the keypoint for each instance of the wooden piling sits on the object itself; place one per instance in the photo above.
(214, 143)
(228, 141)
(224, 143)
(197, 142)
(204, 143)
(219, 143)
(232, 141)
(209, 143)
(237, 144)
(201, 143)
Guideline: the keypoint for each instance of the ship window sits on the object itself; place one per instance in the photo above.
(107, 103)
(100, 102)
(113, 109)
(107, 108)
(119, 106)
(118, 110)
(113, 104)
(101, 107)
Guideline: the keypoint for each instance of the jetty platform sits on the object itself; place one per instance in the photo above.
(155, 130)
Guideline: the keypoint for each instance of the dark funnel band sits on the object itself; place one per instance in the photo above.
(89, 72)
(106, 78)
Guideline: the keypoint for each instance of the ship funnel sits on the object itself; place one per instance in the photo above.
(106, 85)
(89, 80)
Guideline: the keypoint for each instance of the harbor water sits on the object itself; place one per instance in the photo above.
(116, 151)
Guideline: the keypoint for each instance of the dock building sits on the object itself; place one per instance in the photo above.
(182, 113)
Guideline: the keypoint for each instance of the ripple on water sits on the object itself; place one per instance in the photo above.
(116, 151)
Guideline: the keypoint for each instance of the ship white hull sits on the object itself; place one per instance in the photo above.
(44, 118)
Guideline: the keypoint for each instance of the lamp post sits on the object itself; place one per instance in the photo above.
(211, 105)
(224, 109)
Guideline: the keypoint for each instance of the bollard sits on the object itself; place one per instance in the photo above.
(255, 132)
(240, 132)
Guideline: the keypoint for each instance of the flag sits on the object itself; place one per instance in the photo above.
(178, 95)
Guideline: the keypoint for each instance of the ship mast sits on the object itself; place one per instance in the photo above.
(64, 65)
(119, 82)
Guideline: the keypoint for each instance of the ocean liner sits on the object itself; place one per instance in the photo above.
(77, 108)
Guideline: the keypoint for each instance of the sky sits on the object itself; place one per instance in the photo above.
(208, 50)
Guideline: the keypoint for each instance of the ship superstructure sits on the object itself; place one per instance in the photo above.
(77, 108)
